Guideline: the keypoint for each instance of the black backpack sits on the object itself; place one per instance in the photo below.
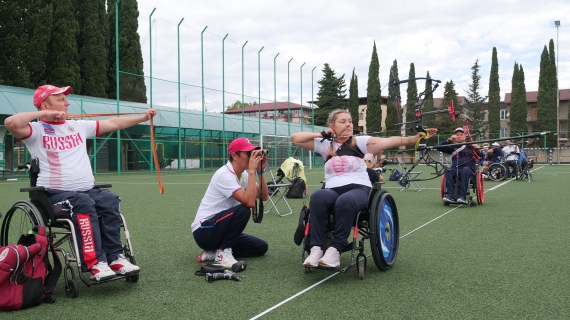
(297, 189)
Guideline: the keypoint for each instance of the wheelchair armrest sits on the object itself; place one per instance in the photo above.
(103, 186)
(28, 189)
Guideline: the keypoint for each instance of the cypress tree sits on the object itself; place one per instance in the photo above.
(522, 90)
(353, 100)
(412, 97)
(494, 106)
(132, 88)
(63, 59)
(554, 84)
(373, 94)
(546, 107)
(429, 121)
(475, 99)
(443, 124)
(330, 96)
(92, 42)
(13, 41)
(518, 109)
(392, 129)
(39, 28)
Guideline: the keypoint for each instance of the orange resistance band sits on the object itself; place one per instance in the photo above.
(152, 142)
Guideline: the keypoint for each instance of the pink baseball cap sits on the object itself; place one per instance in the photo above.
(241, 144)
(43, 92)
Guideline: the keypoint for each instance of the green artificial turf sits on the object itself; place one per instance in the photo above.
(504, 259)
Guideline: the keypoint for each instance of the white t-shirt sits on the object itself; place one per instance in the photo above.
(343, 170)
(61, 150)
(218, 196)
(510, 152)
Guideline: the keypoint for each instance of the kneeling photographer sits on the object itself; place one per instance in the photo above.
(226, 207)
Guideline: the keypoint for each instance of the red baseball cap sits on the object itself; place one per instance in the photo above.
(43, 92)
(241, 144)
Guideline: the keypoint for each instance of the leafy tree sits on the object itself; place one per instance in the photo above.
(546, 106)
(412, 98)
(517, 113)
(39, 29)
(494, 106)
(393, 115)
(13, 41)
(237, 105)
(353, 100)
(373, 94)
(443, 123)
(63, 60)
(92, 42)
(429, 121)
(475, 99)
(331, 95)
(132, 87)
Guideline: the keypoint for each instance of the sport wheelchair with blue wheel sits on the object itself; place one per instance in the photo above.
(475, 192)
(24, 215)
(379, 223)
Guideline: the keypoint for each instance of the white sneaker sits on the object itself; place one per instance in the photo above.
(331, 258)
(225, 257)
(122, 266)
(313, 258)
(206, 255)
(101, 271)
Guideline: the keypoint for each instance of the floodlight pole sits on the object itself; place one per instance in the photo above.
(242, 94)
(557, 24)
(117, 81)
(275, 95)
(203, 105)
(179, 115)
(150, 47)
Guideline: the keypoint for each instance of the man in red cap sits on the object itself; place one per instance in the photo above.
(462, 165)
(65, 172)
(225, 209)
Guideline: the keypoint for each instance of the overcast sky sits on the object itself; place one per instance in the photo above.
(444, 37)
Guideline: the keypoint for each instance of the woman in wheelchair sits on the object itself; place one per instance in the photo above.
(65, 172)
(347, 183)
(462, 165)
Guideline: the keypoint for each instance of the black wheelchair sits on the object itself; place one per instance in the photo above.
(379, 223)
(24, 215)
(475, 192)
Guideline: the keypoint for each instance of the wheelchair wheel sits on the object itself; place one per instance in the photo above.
(385, 230)
(480, 183)
(71, 289)
(498, 171)
(20, 219)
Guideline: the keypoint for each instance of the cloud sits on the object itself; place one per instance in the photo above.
(443, 37)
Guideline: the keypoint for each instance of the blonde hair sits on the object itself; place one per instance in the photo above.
(330, 120)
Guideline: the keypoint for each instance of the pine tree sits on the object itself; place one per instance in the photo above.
(517, 111)
(132, 88)
(494, 106)
(330, 96)
(392, 114)
(429, 121)
(353, 100)
(546, 107)
(443, 123)
(412, 97)
(475, 100)
(373, 94)
(63, 60)
(13, 41)
(39, 28)
(93, 41)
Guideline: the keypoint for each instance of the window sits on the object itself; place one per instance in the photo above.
(504, 115)
(504, 132)
(361, 116)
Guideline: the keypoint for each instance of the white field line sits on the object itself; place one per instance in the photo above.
(336, 273)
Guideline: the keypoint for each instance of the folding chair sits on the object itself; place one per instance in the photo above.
(411, 176)
(276, 187)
